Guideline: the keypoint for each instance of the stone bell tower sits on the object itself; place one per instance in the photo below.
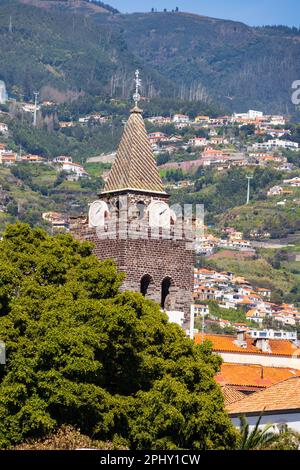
(132, 224)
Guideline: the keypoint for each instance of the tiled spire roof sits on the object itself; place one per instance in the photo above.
(135, 167)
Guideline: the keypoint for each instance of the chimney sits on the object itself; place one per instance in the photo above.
(263, 345)
(241, 339)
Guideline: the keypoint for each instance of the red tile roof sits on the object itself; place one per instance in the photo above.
(253, 376)
(226, 343)
(283, 396)
(231, 395)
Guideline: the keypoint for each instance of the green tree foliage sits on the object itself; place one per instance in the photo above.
(59, 50)
(258, 438)
(81, 353)
(229, 314)
(234, 64)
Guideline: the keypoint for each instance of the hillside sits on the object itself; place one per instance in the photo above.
(85, 7)
(67, 49)
(239, 66)
(62, 54)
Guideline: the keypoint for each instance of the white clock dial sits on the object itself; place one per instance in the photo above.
(159, 214)
(97, 213)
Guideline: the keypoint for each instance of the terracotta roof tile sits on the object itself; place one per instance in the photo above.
(253, 376)
(282, 396)
(231, 395)
(226, 343)
(134, 167)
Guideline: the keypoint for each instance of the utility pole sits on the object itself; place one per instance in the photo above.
(249, 178)
(36, 94)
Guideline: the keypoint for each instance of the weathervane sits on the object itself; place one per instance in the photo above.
(138, 84)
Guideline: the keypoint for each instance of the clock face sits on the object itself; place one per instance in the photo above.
(98, 211)
(159, 215)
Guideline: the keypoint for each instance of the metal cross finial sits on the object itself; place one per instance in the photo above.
(138, 84)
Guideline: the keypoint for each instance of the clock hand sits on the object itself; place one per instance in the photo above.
(163, 212)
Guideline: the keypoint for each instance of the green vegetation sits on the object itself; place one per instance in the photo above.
(257, 439)
(220, 191)
(235, 65)
(79, 141)
(29, 189)
(228, 63)
(230, 314)
(61, 54)
(80, 353)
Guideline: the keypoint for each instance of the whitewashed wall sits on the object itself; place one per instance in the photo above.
(291, 419)
(263, 360)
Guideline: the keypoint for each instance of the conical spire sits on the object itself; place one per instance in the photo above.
(135, 167)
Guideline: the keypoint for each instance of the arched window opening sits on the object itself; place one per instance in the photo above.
(141, 209)
(145, 283)
(165, 290)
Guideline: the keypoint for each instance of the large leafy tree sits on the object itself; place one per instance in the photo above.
(81, 353)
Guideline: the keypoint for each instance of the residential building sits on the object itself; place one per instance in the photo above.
(66, 124)
(198, 142)
(181, 119)
(274, 334)
(278, 405)
(62, 159)
(8, 157)
(30, 107)
(32, 158)
(201, 310)
(275, 191)
(3, 128)
(276, 144)
(256, 315)
(242, 349)
(204, 293)
(251, 378)
(155, 137)
(56, 219)
(294, 182)
(74, 168)
(201, 119)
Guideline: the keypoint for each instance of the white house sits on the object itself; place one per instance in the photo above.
(198, 142)
(274, 334)
(201, 310)
(74, 168)
(242, 349)
(3, 128)
(294, 182)
(275, 144)
(181, 118)
(62, 159)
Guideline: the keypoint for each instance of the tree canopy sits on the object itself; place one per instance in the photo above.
(81, 353)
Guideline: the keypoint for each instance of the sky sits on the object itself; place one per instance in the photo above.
(251, 12)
